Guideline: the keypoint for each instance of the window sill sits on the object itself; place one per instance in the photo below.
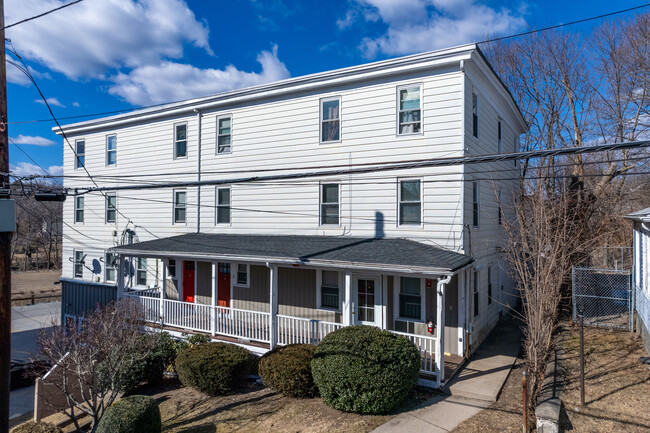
(401, 319)
(329, 310)
(243, 286)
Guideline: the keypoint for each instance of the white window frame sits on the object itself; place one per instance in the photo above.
(321, 120)
(139, 269)
(218, 206)
(319, 283)
(107, 267)
(216, 150)
(77, 153)
(399, 201)
(475, 115)
(75, 264)
(106, 196)
(77, 209)
(234, 270)
(320, 204)
(397, 300)
(168, 274)
(108, 151)
(499, 136)
(175, 206)
(187, 150)
(476, 201)
(399, 89)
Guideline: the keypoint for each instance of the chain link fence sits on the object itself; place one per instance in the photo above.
(603, 296)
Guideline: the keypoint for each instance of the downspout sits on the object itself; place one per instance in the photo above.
(198, 170)
(440, 323)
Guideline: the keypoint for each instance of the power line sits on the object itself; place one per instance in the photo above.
(42, 15)
(27, 155)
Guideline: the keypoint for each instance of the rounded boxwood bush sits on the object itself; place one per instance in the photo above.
(136, 413)
(36, 427)
(287, 369)
(214, 368)
(365, 370)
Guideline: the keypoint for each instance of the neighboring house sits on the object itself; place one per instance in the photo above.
(276, 261)
(641, 273)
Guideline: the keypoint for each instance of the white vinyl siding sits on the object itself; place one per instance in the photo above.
(224, 134)
(409, 113)
(330, 120)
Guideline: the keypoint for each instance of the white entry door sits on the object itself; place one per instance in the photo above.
(367, 301)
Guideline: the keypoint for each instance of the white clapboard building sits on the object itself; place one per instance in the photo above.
(276, 214)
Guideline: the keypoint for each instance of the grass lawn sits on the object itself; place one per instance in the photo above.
(254, 408)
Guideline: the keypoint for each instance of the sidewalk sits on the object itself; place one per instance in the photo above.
(475, 387)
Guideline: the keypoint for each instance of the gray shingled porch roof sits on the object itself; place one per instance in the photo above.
(640, 215)
(400, 255)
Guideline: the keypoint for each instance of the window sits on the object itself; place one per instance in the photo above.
(180, 140)
(242, 275)
(410, 206)
(79, 264)
(171, 269)
(475, 293)
(79, 209)
(515, 148)
(110, 268)
(141, 272)
(475, 204)
(180, 207)
(499, 146)
(475, 115)
(410, 112)
(223, 134)
(111, 207)
(223, 205)
(499, 214)
(410, 298)
(111, 149)
(329, 204)
(329, 290)
(330, 120)
(80, 153)
(489, 275)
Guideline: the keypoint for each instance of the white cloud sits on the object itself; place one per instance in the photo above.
(33, 140)
(171, 81)
(15, 76)
(76, 104)
(423, 25)
(27, 169)
(91, 38)
(51, 101)
(55, 170)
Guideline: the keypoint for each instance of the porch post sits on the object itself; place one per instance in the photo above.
(347, 303)
(120, 277)
(273, 305)
(213, 300)
(162, 291)
(461, 313)
(440, 323)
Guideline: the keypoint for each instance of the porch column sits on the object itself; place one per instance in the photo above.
(162, 290)
(213, 300)
(273, 305)
(347, 303)
(440, 324)
(461, 313)
(120, 277)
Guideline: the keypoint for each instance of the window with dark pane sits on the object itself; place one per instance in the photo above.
(79, 209)
(78, 264)
(223, 205)
(330, 120)
(475, 115)
(410, 298)
(409, 111)
(111, 150)
(111, 208)
(489, 277)
(242, 275)
(223, 134)
(476, 293)
(141, 272)
(329, 289)
(180, 206)
(475, 204)
(80, 153)
(180, 141)
(366, 300)
(410, 206)
(110, 265)
(171, 268)
(329, 212)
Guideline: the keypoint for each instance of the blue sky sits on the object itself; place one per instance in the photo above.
(104, 55)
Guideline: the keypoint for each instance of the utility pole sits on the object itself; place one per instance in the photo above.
(5, 243)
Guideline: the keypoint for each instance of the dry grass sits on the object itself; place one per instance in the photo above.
(37, 283)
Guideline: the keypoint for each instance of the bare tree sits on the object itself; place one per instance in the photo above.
(93, 361)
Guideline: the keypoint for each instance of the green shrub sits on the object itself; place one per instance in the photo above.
(136, 413)
(287, 369)
(36, 427)
(214, 368)
(150, 369)
(365, 370)
(199, 339)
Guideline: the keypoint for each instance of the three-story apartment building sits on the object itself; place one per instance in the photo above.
(278, 213)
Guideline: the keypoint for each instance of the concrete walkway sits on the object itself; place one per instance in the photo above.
(475, 387)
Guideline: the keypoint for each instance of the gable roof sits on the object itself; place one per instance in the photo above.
(382, 254)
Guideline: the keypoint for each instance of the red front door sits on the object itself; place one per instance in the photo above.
(223, 286)
(188, 281)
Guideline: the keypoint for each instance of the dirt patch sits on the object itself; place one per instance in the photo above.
(257, 409)
(40, 284)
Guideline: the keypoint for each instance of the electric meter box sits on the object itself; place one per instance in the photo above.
(7, 215)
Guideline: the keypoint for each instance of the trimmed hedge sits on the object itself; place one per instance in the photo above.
(214, 368)
(36, 427)
(136, 413)
(365, 370)
(150, 369)
(287, 369)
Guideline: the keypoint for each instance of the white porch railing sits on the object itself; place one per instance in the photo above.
(427, 347)
(187, 315)
(297, 330)
(249, 325)
(151, 306)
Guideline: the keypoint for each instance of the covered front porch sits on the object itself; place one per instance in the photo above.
(298, 289)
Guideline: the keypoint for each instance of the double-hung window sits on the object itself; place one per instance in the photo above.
(111, 149)
(330, 120)
(489, 277)
(475, 293)
(80, 153)
(78, 264)
(141, 271)
(410, 202)
(410, 298)
(499, 144)
(111, 207)
(79, 209)
(110, 268)
(224, 134)
(475, 115)
(223, 205)
(180, 207)
(410, 110)
(242, 275)
(499, 211)
(171, 269)
(180, 140)
(329, 290)
(329, 204)
(476, 204)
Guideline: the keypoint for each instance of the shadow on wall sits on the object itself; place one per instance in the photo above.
(379, 225)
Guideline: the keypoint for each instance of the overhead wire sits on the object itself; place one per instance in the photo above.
(41, 15)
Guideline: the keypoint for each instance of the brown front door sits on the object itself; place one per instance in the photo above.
(188, 281)
(223, 287)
